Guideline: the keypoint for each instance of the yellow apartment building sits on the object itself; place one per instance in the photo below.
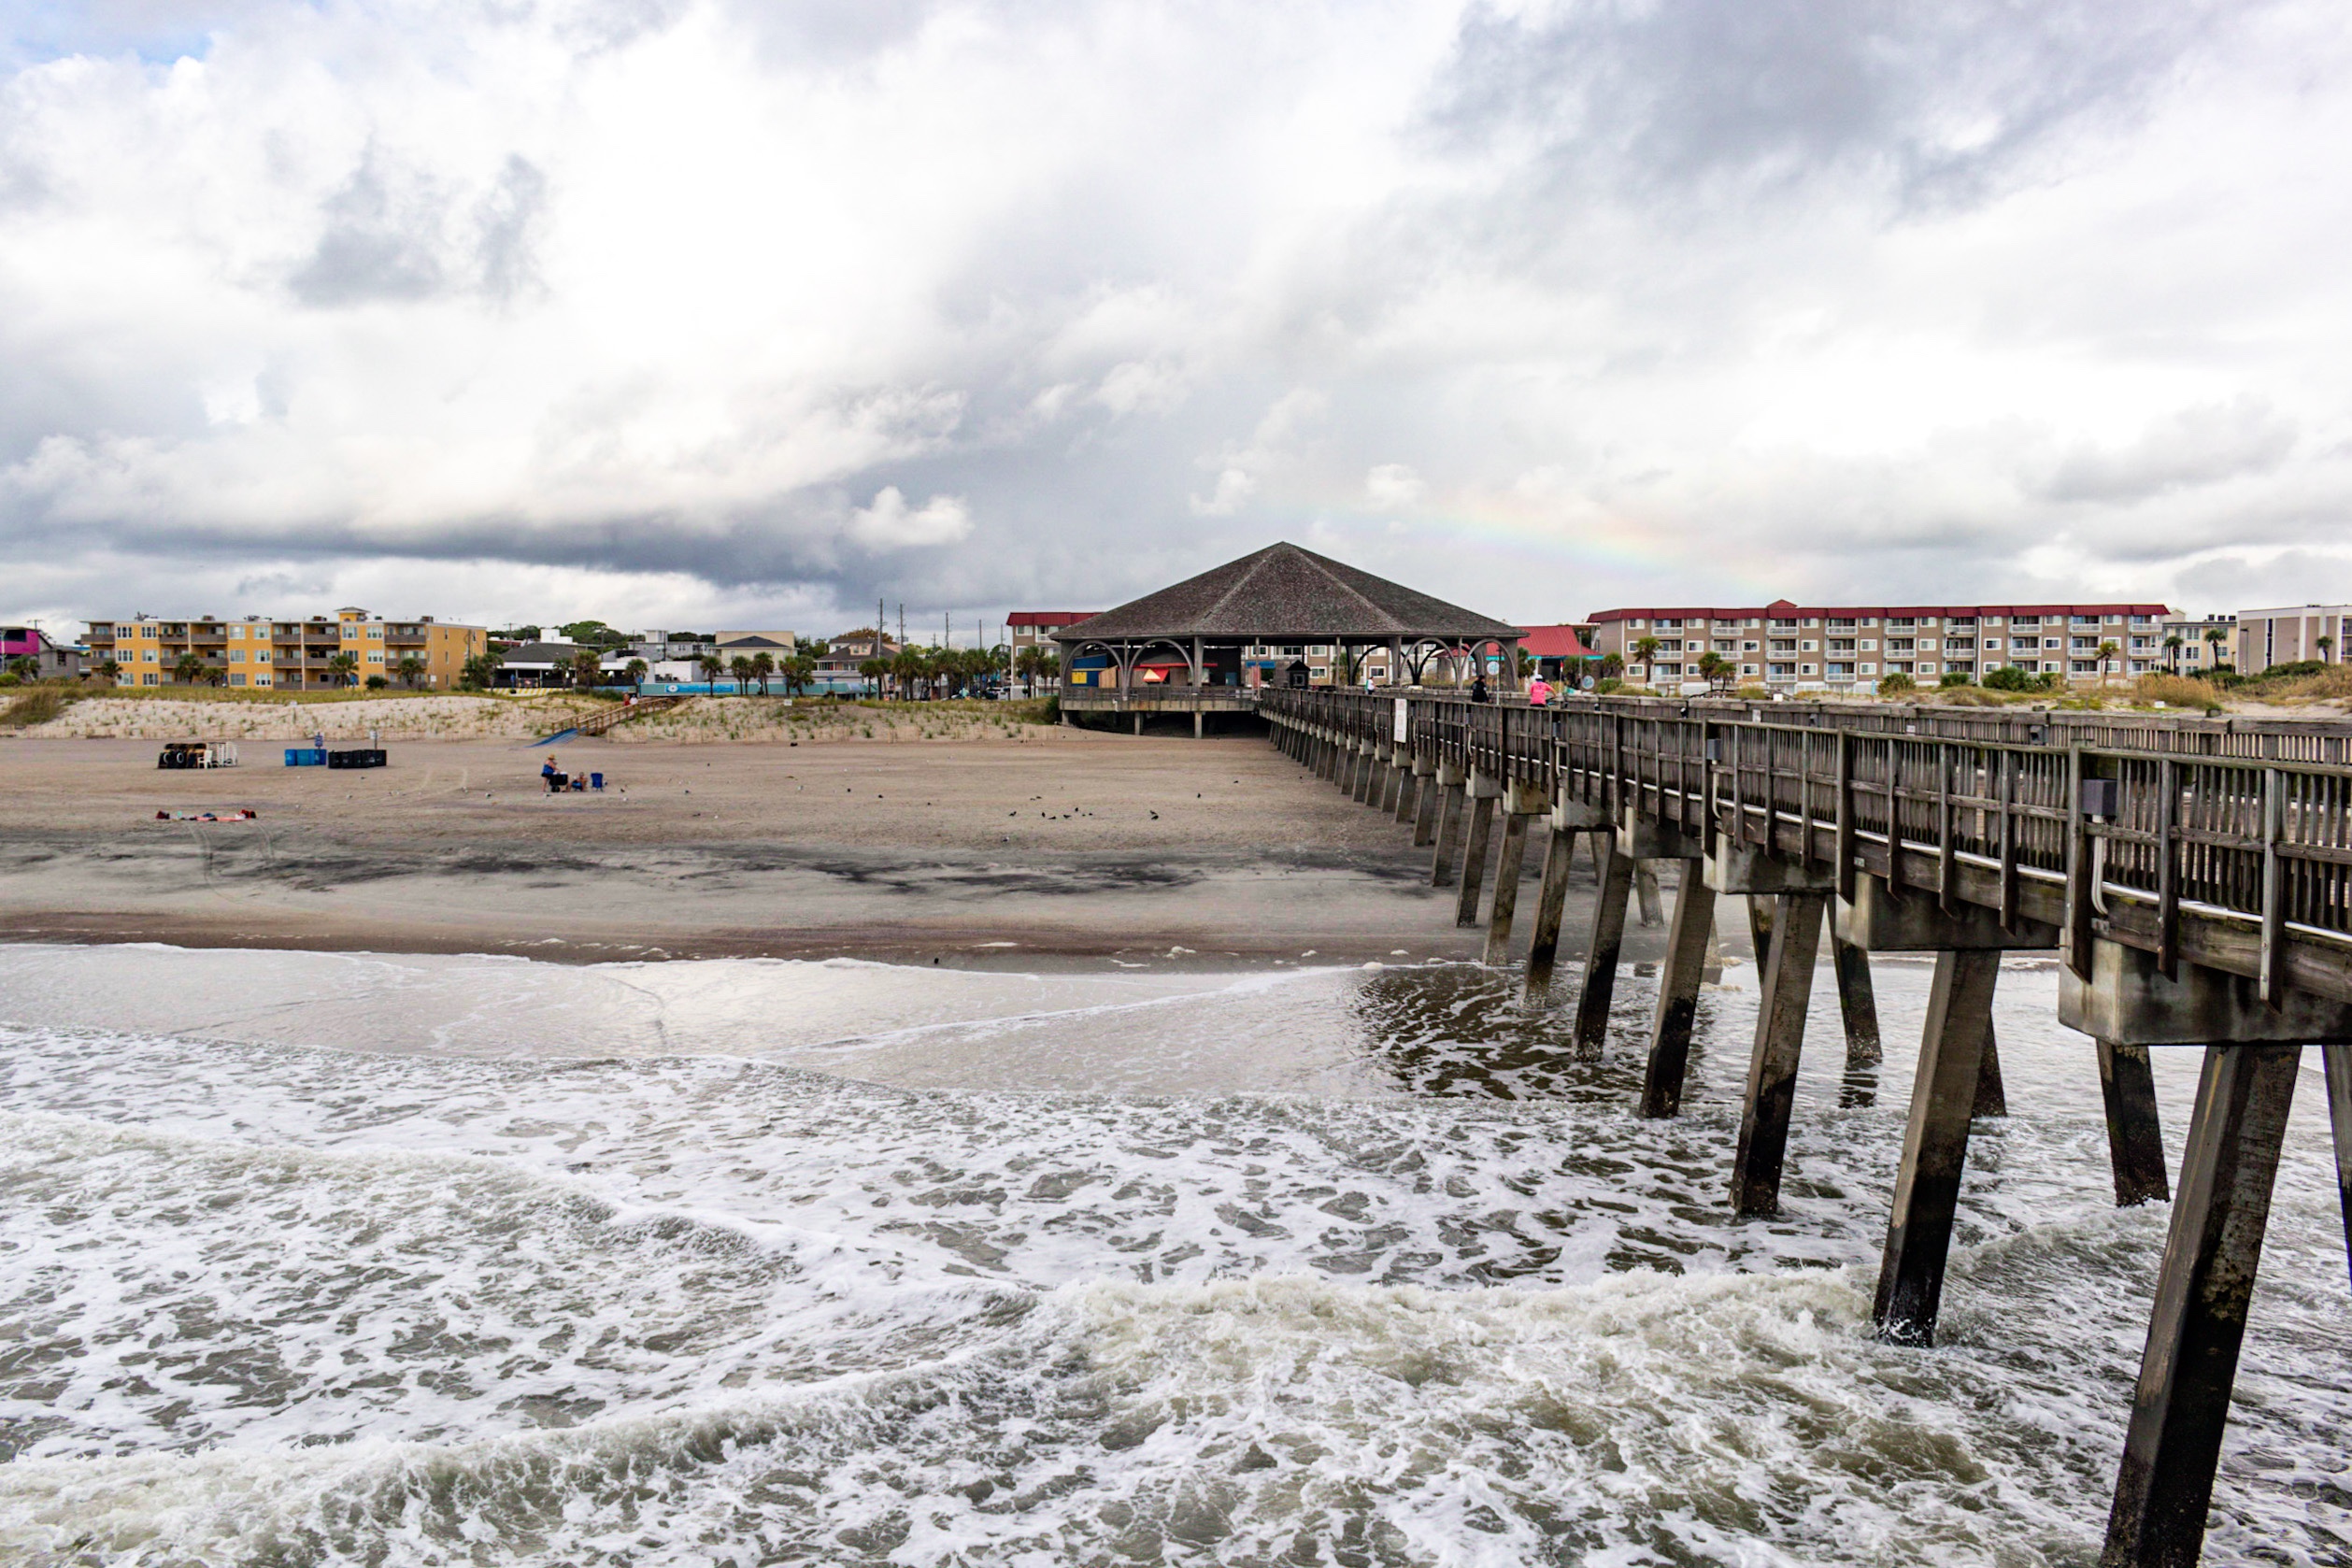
(299, 655)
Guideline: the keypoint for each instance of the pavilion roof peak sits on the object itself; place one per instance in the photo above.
(1284, 592)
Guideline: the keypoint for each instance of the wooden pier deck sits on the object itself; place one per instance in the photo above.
(2195, 873)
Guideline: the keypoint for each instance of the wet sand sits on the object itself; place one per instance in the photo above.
(970, 852)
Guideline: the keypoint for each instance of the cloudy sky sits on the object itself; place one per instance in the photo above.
(680, 312)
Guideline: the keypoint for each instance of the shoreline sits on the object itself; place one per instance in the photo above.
(1121, 849)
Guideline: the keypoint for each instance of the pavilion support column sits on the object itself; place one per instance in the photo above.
(1139, 723)
(1787, 989)
(1551, 902)
(1646, 885)
(1608, 939)
(1678, 992)
(2165, 1482)
(1935, 1146)
(1858, 1001)
(2135, 1141)
(1482, 795)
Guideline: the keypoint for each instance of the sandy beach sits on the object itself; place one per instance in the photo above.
(1055, 842)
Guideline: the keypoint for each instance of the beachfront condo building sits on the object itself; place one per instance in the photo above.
(2290, 636)
(1786, 646)
(303, 655)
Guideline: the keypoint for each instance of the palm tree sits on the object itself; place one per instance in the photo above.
(1026, 664)
(111, 670)
(185, 669)
(2217, 636)
(410, 669)
(800, 672)
(906, 667)
(712, 668)
(872, 671)
(740, 667)
(23, 668)
(762, 666)
(1714, 669)
(2107, 652)
(2173, 645)
(1645, 649)
(347, 668)
(588, 668)
(2326, 644)
(637, 670)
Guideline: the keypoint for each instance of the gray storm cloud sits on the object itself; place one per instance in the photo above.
(659, 308)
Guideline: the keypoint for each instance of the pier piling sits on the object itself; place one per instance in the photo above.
(1473, 859)
(1608, 940)
(2135, 1145)
(1551, 902)
(2165, 1483)
(1678, 992)
(1935, 1146)
(1772, 1069)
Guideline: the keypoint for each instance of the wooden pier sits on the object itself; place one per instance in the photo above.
(2195, 874)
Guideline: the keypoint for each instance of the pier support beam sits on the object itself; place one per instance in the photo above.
(1608, 939)
(1772, 1067)
(1449, 795)
(1551, 903)
(1645, 886)
(2136, 1144)
(1507, 868)
(1992, 1093)
(1522, 802)
(1935, 1146)
(1483, 794)
(1678, 992)
(1858, 1001)
(1400, 771)
(1411, 794)
(2338, 1062)
(2165, 1482)
(2126, 1003)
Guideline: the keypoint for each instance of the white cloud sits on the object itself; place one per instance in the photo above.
(1391, 487)
(639, 299)
(1234, 487)
(889, 524)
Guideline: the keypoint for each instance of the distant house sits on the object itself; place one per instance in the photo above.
(1559, 652)
(1035, 628)
(540, 663)
(50, 658)
(837, 671)
(776, 645)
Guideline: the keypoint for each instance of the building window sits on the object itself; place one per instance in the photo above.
(236, 656)
(238, 678)
(1901, 620)
(1869, 668)
(1810, 670)
(1750, 648)
(152, 679)
(1841, 672)
(1959, 622)
(1840, 623)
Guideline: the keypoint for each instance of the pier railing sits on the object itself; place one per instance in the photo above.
(2227, 841)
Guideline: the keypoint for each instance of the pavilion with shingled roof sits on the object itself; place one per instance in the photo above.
(1188, 648)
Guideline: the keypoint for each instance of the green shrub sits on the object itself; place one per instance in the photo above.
(2008, 677)
(10, 680)
(2298, 666)
(1896, 685)
(1053, 714)
(1955, 678)
(377, 683)
(1607, 684)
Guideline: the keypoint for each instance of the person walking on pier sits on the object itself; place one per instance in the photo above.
(1538, 692)
(1478, 688)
